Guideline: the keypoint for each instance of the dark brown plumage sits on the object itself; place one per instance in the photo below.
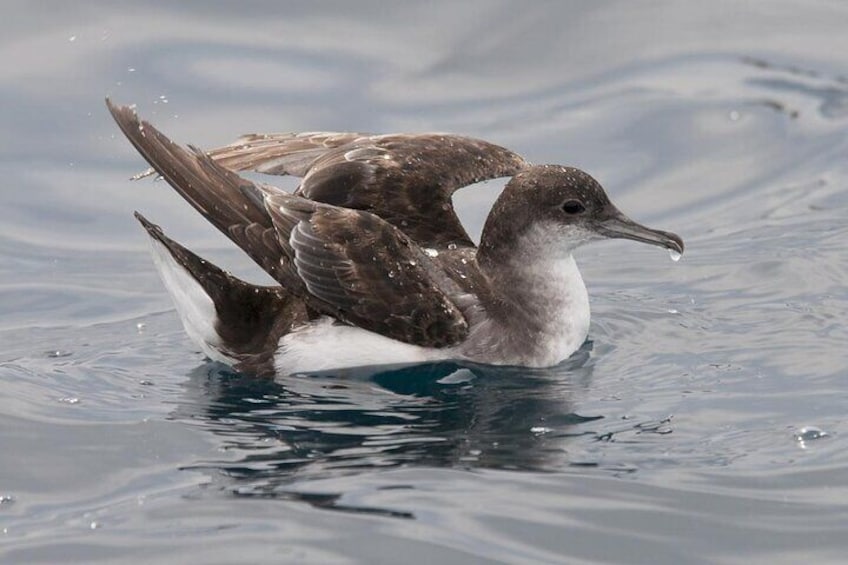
(251, 318)
(406, 179)
(370, 241)
(350, 263)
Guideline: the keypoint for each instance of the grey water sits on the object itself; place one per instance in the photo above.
(704, 421)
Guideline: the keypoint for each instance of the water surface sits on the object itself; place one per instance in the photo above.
(672, 436)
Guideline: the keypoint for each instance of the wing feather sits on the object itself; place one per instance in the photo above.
(365, 271)
(350, 263)
(406, 179)
(220, 195)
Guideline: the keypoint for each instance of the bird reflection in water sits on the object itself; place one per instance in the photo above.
(279, 432)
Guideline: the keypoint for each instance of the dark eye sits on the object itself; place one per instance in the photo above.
(573, 207)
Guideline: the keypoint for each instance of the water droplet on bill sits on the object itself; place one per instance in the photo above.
(675, 255)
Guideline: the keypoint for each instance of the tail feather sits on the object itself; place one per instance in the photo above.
(232, 321)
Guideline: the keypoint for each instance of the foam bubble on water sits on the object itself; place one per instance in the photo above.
(69, 400)
(809, 433)
(675, 255)
(460, 376)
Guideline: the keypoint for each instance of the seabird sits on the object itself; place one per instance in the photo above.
(373, 265)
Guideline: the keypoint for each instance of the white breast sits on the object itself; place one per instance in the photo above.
(568, 311)
(550, 305)
(550, 285)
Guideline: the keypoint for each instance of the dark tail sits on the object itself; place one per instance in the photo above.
(231, 320)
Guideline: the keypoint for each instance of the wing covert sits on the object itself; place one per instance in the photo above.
(406, 179)
(366, 272)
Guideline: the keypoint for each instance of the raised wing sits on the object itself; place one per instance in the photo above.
(280, 153)
(361, 269)
(346, 263)
(406, 179)
(218, 194)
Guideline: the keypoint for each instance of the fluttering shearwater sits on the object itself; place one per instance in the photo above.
(373, 265)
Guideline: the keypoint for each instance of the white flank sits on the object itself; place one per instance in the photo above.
(323, 344)
(194, 306)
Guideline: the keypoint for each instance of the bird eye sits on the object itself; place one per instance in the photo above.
(573, 207)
